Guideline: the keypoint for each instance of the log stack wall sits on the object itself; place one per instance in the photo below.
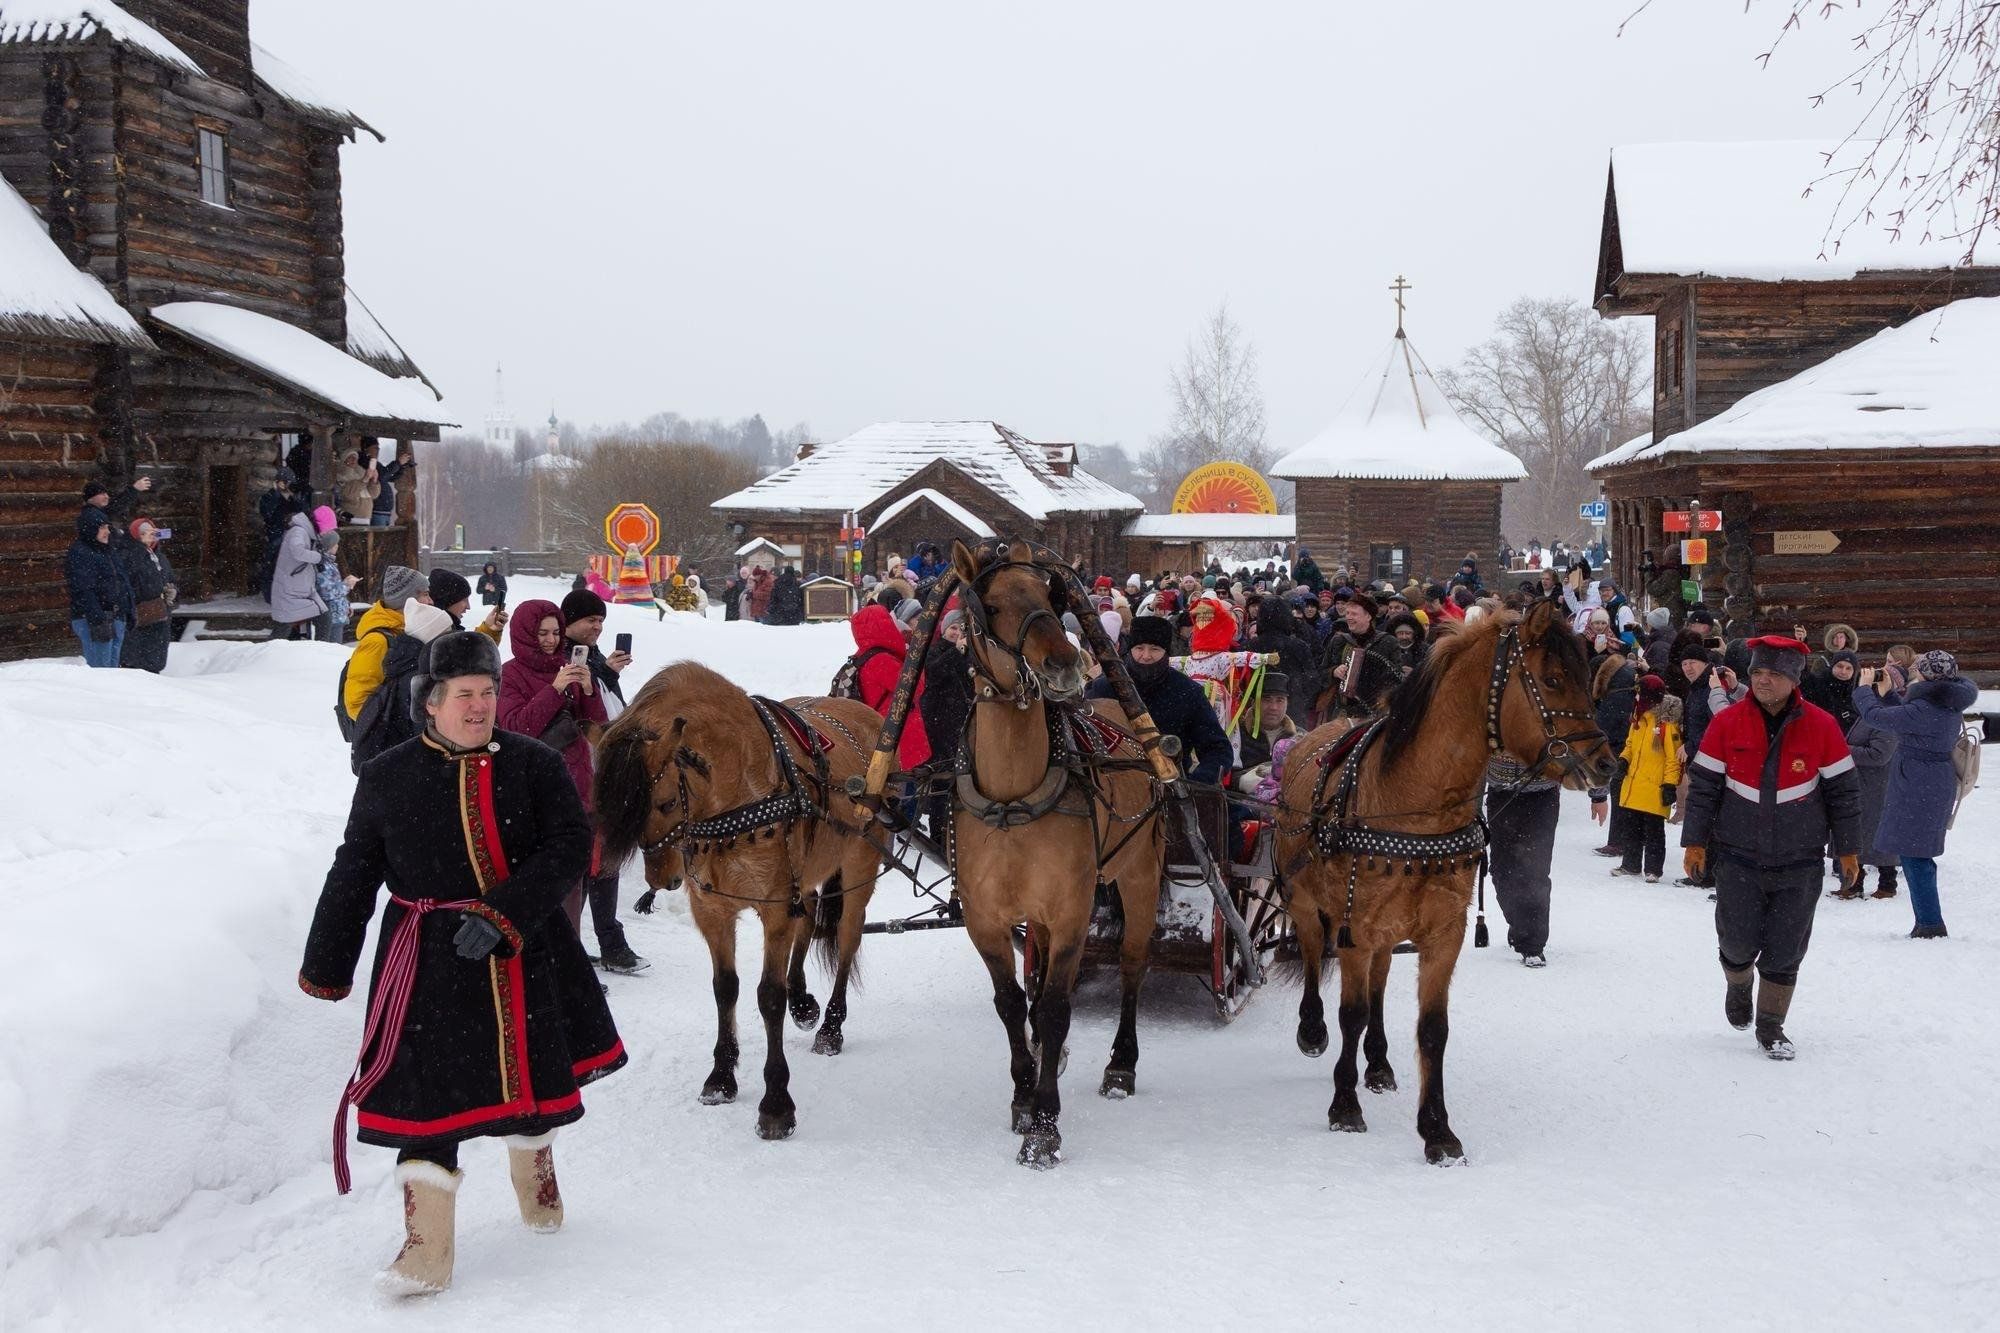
(1437, 522)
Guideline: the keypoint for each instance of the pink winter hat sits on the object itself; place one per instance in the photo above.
(324, 519)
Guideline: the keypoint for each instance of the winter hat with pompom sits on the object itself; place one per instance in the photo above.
(324, 519)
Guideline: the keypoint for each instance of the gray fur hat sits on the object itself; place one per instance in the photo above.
(459, 653)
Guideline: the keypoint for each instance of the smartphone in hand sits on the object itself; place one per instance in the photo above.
(623, 643)
(579, 655)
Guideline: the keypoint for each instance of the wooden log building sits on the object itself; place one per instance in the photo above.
(912, 481)
(1836, 406)
(1398, 486)
(173, 296)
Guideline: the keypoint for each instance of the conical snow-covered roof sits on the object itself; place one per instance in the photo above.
(1397, 425)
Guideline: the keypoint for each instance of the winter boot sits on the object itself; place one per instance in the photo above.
(1736, 996)
(1773, 1002)
(532, 1165)
(430, 1196)
(1936, 932)
(1847, 891)
(619, 958)
(1885, 883)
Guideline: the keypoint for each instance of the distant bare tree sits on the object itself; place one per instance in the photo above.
(463, 480)
(679, 481)
(1556, 386)
(1926, 159)
(1217, 409)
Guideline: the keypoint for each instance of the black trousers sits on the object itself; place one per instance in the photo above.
(1522, 826)
(145, 647)
(1619, 831)
(602, 893)
(1645, 841)
(1764, 916)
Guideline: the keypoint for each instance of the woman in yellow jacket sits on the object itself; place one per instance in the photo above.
(1652, 774)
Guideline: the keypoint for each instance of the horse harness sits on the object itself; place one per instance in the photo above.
(1334, 830)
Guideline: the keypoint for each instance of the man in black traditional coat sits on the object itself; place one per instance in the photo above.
(479, 835)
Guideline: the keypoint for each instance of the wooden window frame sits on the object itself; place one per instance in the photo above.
(212, 177)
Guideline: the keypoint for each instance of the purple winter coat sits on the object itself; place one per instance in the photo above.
(1922, 786)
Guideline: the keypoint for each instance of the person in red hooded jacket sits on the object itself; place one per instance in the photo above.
(880, 648)
(543, 696)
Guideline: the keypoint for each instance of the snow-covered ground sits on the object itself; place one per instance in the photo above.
(166, 1094)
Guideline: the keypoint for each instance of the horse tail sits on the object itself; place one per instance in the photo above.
(1290, 968)
(622, 788)
(829, 906)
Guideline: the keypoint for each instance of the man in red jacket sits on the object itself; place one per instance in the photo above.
(1772, 784)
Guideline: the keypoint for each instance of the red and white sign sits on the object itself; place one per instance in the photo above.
(1682, 520)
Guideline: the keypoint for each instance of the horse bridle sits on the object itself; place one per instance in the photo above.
(1027, 687)
(1557, 747)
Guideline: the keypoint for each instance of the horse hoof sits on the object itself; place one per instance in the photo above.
(1040, 1150)
(775, 1126)
(1346, 1122)
(805, 1010)
(827, 1041)
(1446, 1151)
(1023, 1119)
(1380, 1079)
(716, 1092)
(1119, 1084)
(1312, 1039)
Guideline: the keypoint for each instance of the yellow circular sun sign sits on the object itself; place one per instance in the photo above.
(1224, 488)
(632, 525)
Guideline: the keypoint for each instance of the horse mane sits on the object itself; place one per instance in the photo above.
(1412, 700)
(622, 788)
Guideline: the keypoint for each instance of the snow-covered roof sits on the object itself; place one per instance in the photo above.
(292, 356)
(1214, 527)
(1397, 425)
(552, 463)
(851, 473)
(964, 517)
(1630, 449)
(301, 94)
(43, 295)
(1766, 211)
(368, 341)
(66, 21)
(1929, 383)
(758, 544)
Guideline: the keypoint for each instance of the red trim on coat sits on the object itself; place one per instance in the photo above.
(582, 1067)
(467, 1119)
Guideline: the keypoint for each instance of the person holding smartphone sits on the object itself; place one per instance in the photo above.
(583, 614)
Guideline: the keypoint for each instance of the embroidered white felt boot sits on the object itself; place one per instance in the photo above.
(430, 1200)
(532, 1164)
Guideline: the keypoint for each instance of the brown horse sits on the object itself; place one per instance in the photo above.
(1029, 834)
(690, 775)
(1506, 684)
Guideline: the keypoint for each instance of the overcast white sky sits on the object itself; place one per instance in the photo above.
(867, 211)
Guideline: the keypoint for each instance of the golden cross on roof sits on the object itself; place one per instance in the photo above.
(1399, 286)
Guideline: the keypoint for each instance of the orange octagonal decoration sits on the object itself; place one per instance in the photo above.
(1224, 488)
(631, 525)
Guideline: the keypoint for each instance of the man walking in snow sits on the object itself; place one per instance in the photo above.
(484, 1019)
(1772, 783)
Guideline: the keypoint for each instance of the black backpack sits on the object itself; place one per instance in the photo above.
(354, 730)
(847, 680)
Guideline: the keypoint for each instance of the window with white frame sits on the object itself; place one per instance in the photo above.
(214, 149)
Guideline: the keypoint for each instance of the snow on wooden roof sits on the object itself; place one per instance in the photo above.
(1214, 527)
(1764, 211)
(1397, 425)
(368, 341)
(964, 517)
(1630, 449)
(850, 473)
(292, 356)
(301, 94)
(1929, 383)
(67, 21)
(43, 295)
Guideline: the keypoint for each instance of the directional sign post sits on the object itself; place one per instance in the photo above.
(1804, 543)
(1594, 512)
(1691, 520)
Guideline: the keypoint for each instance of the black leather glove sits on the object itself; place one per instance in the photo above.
(100, 631)
(1669, 793)
(477, 937)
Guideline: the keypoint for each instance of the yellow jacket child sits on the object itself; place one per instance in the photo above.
(1652, 753)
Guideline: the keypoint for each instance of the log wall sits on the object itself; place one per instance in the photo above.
(1340, 520)
(48, 450)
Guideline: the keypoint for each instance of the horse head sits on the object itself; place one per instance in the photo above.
(1549, 724)
(1013, 608)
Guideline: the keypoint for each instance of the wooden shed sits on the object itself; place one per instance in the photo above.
(912, 481)
(1182, 543)
(1810, 391)
(1399, 486)
(192, 181)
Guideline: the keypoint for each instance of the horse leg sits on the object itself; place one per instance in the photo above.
(1041, 1146)
(777, 1117)
(1437, 955)
(1345, 1113)
(853, 916)
(719, 929)
(995, 942)
(1375, 1045)
(798, 991)
(1037, 981)
(1141, 905)
(1310, 927)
